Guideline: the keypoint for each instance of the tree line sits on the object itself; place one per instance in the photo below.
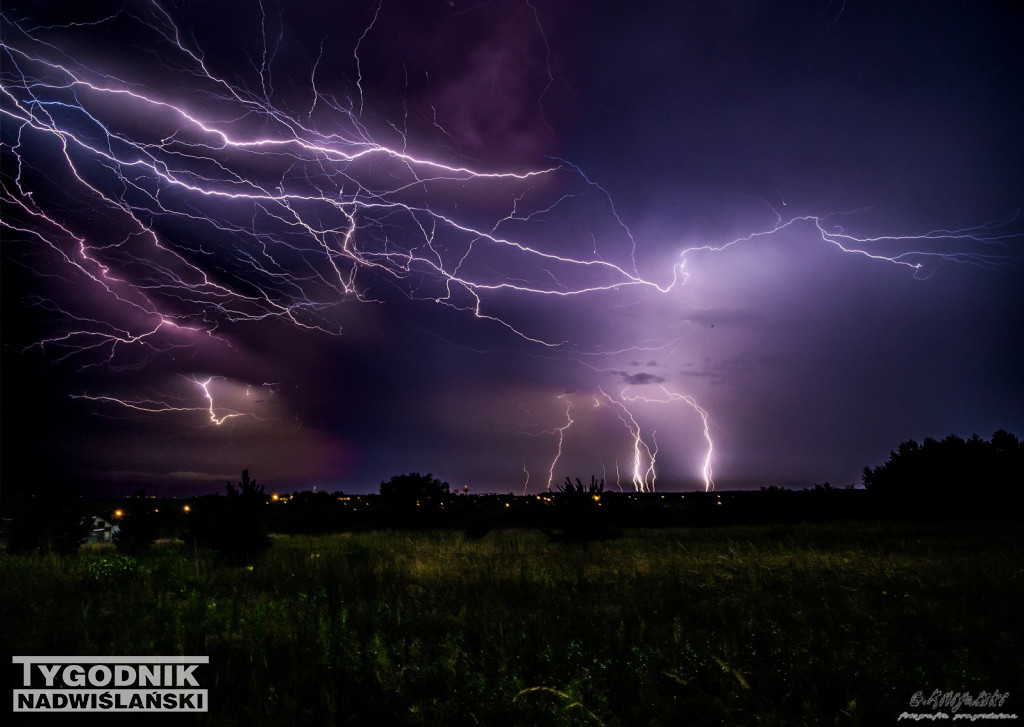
(936, 479)
(949, 476)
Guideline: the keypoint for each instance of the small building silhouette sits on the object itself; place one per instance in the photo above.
(100, 530)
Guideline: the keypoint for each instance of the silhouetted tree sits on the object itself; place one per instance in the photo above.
(234, 526)
(949, 476)
(413, 500)
(246, 488)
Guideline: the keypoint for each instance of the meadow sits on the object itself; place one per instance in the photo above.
(834, 624)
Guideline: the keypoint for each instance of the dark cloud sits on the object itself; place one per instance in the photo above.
(640, 379)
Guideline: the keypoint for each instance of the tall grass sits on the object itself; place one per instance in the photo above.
(769, 626)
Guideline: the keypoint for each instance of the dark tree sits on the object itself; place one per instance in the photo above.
(235, 526)
(414, 487)
(949, 477)
(413, 500)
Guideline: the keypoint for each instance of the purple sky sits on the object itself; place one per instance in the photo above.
(334, 242)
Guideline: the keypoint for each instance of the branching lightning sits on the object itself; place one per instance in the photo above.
(992, 236)
(186, 205)
(644, 455)
(218, 420)
(216, 414)
(670, 396)
(642, 444)
(304, 220)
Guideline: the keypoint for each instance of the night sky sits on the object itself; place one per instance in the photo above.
(331, 242)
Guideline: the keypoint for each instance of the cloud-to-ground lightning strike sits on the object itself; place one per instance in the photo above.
(560, 435)
(644, 455)
(643, 447)
(184, 202)
(669, 396)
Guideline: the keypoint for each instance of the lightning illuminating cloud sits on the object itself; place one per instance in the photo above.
(179, 201)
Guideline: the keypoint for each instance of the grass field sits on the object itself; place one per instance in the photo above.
(799, 625)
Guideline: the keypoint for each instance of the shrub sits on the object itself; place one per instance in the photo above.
(578, 517)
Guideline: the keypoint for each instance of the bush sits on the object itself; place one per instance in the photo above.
(578, 514)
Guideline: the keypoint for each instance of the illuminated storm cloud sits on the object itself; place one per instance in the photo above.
(178, 200)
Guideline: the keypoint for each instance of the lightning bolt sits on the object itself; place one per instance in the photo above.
(643, 446)
(560, 438)
(187, 204)
(337, 217)
(167, 406)
(992, 236)
(218, 420)
(644, 455)
(671, 396)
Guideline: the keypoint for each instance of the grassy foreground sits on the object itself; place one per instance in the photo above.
(806, 625)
